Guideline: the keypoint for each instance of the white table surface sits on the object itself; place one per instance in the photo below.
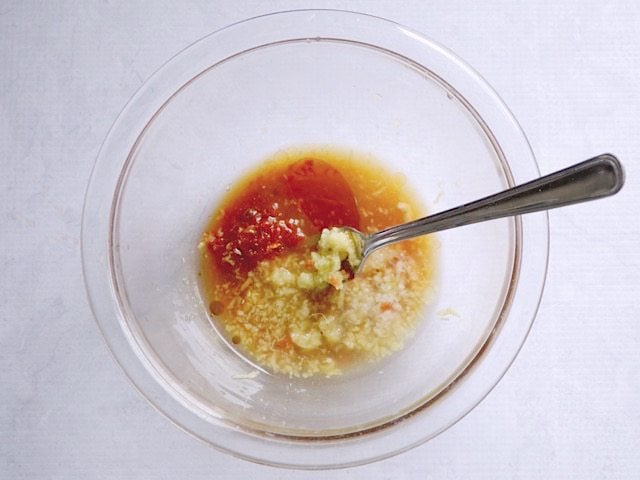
(568, 408)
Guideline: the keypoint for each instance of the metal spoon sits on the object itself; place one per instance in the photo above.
(598, 177)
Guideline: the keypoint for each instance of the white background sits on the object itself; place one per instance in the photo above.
(568, 408)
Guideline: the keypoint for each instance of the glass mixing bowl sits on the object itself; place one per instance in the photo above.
(218, 109)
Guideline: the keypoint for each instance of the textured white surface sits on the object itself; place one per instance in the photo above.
(568, 408)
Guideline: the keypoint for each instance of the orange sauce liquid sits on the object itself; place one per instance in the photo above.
(318, 188)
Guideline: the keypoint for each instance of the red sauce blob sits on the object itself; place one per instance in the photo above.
(276, 211)
(253, 234)
(324, 195)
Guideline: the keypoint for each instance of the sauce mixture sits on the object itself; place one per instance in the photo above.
(259, 279)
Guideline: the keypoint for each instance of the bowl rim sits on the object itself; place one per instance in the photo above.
(102, 288)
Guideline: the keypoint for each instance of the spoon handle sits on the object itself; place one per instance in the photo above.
(598, 177)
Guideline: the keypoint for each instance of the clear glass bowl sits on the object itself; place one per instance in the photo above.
(216, 110)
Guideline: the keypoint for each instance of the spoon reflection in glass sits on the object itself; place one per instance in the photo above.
(598, 177)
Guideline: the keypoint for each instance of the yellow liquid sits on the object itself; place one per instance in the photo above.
(262, 311)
